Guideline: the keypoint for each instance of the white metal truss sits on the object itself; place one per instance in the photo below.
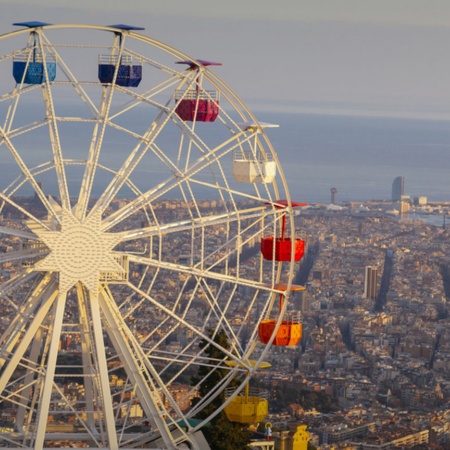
(127, 247)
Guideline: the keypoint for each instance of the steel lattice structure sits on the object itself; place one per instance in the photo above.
(127, 239)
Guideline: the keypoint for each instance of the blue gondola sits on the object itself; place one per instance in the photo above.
(33, 71)
(34, 68)
(128, 74)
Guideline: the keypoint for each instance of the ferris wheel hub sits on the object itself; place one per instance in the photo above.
(80, 251)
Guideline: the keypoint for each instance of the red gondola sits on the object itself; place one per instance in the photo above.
(195, 104)
(280, 248)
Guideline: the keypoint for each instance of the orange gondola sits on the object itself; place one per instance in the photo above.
(289, 332)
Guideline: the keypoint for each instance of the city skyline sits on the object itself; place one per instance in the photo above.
(153, 276)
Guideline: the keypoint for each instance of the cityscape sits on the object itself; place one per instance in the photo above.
(165, 283)
(375, 335)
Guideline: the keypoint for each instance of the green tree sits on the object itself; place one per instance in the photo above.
(222, 434)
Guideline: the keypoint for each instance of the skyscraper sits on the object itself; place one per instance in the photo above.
(398, 187)
(370, 282)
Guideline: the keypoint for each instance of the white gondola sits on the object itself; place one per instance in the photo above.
(254, 166)
(250, 169)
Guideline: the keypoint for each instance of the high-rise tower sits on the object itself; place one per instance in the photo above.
(370, 282)
(334, 192)
(398, 188)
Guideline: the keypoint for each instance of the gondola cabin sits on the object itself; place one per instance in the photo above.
(128, 74)
(248, 168)
(120, 69)
(201, 106)
(197, 104)
(250, 405)
(251, 408)
(289, 333)
(280, 248)
(253, 166)
(34, 70)
(32, 66)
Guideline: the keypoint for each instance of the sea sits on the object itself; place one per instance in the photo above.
(361, 155)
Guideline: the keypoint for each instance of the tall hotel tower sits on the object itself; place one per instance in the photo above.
(398, 187)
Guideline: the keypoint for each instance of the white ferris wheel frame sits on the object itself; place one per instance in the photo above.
(36, 331)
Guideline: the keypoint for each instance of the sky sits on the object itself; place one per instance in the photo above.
(377, 57)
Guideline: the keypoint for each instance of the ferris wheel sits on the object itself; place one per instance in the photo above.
(143, 214)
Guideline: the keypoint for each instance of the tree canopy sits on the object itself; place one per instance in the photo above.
(222, 434)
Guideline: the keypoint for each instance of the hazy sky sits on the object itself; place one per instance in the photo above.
(381, 56)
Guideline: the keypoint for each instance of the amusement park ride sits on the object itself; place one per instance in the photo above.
(134, 254)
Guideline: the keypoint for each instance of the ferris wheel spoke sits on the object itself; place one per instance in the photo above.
(16, 184)
(198, 332)
(25, 212)
(59, 308)
(147, 98)
(194, 224)
(196, 272)
(94, 153)
(40, 316)
(132, 161)
(167, 186)
(55, 144)
(17, 233)
(225, 189)
(157, 383)
(14, 95)
(103, 376)
(26, 172)
(87, 350)
(25, 129)
(134, 361)
(23, 254)
(29, 391)
(17, 281)
(16, 328)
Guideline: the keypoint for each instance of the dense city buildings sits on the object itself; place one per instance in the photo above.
(372, 370)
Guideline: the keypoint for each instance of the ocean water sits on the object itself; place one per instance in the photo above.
(361, 156)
